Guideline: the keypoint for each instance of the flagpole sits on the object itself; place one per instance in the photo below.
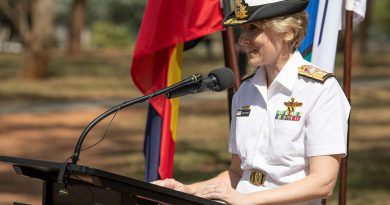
(230, 54)
(347, 91)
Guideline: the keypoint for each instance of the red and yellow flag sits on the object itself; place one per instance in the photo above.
(157, 62)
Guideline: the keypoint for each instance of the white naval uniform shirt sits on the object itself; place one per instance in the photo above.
(281, 148)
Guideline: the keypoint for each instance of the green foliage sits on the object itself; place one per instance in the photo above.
(106, 34)
(380, 18)
(127, 13)
(96, 11)
(62, 9)
(121, 12)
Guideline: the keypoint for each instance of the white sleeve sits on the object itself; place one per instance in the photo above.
(232, 147)
(327, 122)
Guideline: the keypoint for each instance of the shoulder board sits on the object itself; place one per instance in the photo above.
(314, 73)
(248, 75)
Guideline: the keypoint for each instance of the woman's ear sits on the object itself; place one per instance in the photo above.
(288, 36)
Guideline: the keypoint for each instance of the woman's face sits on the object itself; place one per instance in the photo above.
(263, 47)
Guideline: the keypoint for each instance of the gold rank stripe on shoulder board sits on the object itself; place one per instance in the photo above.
(314, 73)
(248, 75)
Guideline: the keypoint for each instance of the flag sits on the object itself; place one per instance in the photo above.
(359, 9)
(306, 47)
(325, 21)
(157, 60)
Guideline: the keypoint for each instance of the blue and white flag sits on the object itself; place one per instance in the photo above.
(325, 21)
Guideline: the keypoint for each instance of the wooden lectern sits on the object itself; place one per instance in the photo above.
(70, 184)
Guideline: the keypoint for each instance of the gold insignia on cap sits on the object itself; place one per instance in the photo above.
(241, 10)
(314, 73)
(234, 21)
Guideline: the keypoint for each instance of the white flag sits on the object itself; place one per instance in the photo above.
(326, 34)
(359, 10)
(328, 21)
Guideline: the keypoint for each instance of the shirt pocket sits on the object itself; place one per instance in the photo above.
(249, 122)
(287, 140)
(247, 131)
(287, 129)
(245, 128)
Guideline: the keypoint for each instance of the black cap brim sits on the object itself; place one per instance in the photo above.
(266, 11)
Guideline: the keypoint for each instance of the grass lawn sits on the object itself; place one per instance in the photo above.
(38, 121)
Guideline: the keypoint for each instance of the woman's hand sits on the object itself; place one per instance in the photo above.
(173, 184)
(224, 192)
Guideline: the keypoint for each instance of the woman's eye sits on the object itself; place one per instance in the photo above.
(252, 27)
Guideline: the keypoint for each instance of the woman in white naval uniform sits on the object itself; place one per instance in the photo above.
(289, 124)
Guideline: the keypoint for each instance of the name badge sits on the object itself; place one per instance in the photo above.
(244, 111)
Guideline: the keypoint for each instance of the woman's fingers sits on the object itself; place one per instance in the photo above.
(222, 192)
(213, 190)
(171, 184)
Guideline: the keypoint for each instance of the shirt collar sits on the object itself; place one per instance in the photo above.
(260, 81)
(288, 75)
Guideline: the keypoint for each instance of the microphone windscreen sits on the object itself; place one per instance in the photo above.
(225, 78)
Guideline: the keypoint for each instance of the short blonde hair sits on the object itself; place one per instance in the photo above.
(295, 23)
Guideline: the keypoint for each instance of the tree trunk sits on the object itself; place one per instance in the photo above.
(39, 40)
(36, 60)
(77, 21)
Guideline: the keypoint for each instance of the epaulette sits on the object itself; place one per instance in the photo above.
(248, 75)
(314, 73)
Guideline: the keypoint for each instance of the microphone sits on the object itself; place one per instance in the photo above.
(218, 80)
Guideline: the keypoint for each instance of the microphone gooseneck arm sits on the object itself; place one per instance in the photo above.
(76, 154)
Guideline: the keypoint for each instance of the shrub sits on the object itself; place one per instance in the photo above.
(105, 34)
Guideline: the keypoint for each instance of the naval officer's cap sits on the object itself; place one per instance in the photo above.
(247, 11)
